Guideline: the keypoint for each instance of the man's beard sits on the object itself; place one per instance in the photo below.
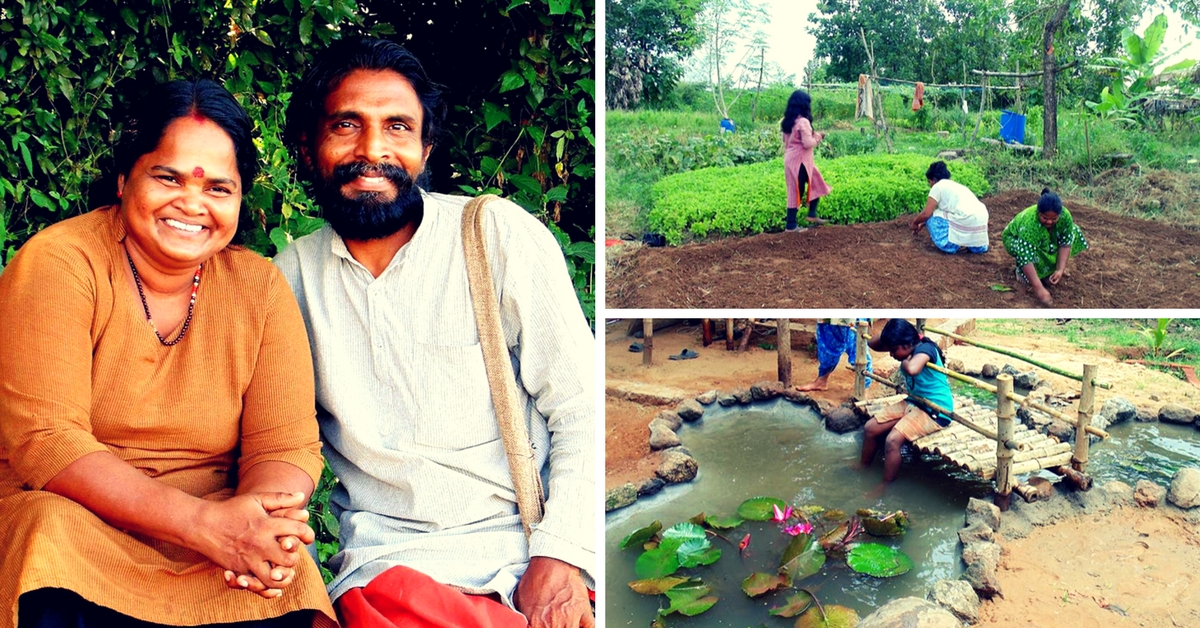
(368, 216)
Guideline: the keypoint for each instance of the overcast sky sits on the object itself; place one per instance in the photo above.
(792, 47)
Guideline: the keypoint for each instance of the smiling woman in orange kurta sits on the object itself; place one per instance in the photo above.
(88, 382)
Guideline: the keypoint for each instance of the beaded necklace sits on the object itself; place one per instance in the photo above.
(146, 306)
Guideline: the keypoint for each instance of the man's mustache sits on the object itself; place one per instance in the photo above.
(346, 173)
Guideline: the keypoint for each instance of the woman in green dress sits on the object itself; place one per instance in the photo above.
(1042, 238)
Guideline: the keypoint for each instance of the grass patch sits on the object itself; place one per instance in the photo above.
(1120, 337)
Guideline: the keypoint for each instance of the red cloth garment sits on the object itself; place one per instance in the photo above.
(919, 97)
(405, 597)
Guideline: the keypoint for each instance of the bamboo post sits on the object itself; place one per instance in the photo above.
(706, 328)
(1004, 432)
(860, 360)
(729, 334)
(647, 341)
(1013, 354)
(1087, 399)
(745, 342)
(1077, 480)
(783, 333)
(1088, 143)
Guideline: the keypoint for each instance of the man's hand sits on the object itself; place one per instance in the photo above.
(552, 595)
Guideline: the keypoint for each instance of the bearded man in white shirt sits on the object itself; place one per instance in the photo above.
(430, 532)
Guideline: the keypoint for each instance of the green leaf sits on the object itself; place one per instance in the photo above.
(494, 114)
(25, 157)
(586, 251)
(759, 583)
(685, 531)
(511, 80)
(41, 200)
(760, 508)
(878, 523)
(797, 603)
(261, 35)
(828, 616)
(696, 553)
(717, 523)
(559, 7)
(655, 586)
(526, 183)
(878, 560)
(641, 535)
(130, 19)
(306, 29)
(280, 238)
(999, 287)
(802, 557)
(689, 599)
(659, 562)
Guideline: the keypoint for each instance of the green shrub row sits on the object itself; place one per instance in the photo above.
(668, 153)
(745, 200)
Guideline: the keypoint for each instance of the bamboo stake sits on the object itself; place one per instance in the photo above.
(647, 341)
(1004, 432)
(1023, 401)
(1029, 466)
(1087, 400)
(1013, 354)
(860, 361)
(746, 336)
(729, 334)
(783, 333)
(1076, 479)
(706, 327)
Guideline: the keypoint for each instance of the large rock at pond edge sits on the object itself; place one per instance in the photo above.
(1175, 413)
(743, 396)
(670, 417)
(844, 419)
(676, 466)
(957, 597)
(979, 510)
(1118, 410)
(766, 391)
(1063, 431)
(1009, 369)
(689, 410)
(977, 532)
(650, 486)
(707, 398)
(620, 497)
(1148, 494)
(1146, 415)
(989, 370)
(726, 399)
(797, 397)
(1028, 379)
(1185, 488)
(909, 612)
(982, 559)
(662, 436)
(955, 364)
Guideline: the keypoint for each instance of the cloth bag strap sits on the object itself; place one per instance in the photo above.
(527, 482)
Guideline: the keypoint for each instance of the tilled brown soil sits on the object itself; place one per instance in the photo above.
(1132, 264)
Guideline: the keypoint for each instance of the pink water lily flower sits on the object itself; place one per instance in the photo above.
(781, 515)
(803, 527)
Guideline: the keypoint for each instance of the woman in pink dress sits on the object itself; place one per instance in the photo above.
(804, 182)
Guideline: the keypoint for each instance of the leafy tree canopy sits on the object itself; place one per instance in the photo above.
(646, 41)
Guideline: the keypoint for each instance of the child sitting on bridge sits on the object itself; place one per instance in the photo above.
(907, 421)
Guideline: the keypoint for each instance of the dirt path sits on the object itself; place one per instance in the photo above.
(1132, 263)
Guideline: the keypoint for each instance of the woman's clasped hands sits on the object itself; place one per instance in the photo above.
(258, 538)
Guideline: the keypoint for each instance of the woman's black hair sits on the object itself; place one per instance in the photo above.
(1049, 203)
(340, 59)
(901, 333)
(799, 106)
(154, 112)
(937, 171)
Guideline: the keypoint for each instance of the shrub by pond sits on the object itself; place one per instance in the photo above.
(745, 200)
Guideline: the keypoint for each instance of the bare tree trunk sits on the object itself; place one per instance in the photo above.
(762, 62)
(1049, 80)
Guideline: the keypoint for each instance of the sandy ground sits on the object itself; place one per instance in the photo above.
(1064, 575)
(1132, 263)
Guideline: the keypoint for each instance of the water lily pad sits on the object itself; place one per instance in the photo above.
(797, 603)
(641, 535)
(759, 583)
(684, 531)
(760, 508)
(878, 560)
(834, 515)
(698, 519)
(689, 599)
(694, 554)
(884, 523)
(656, 586)
(802, 558)
(828, 616)
(724, 523)
(659, 562)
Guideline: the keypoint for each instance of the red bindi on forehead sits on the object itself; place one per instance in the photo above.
(198, 172)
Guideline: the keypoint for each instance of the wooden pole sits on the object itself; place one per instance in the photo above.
(1076, 479)
(783, 333)
(746, 336)
(647, 341)
(1087, 139)
(1004, 432)
(860, 360)
(1013, 354)
(1087, 400)
(729, 334)
(706, 327)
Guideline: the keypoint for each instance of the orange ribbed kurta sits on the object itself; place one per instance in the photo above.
(81, 371)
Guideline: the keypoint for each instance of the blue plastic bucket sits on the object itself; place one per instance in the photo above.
(1012, 127)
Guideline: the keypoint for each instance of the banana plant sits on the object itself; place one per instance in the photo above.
(1135, 71)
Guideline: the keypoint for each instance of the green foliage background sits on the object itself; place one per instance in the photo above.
(749, 199)
(520, 75)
